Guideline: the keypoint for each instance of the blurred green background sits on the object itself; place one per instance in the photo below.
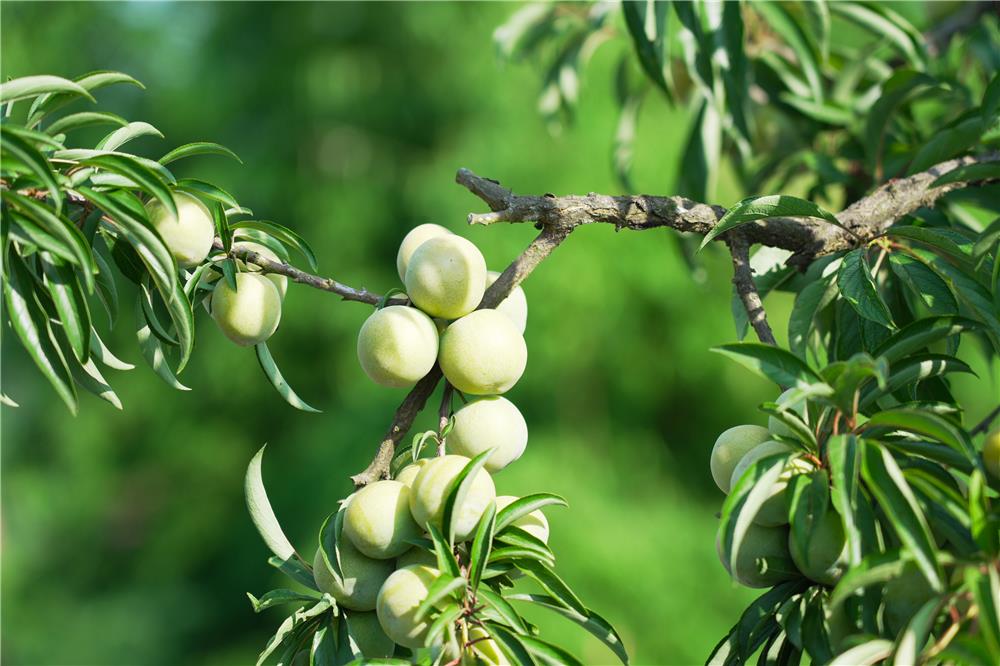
(125, 537)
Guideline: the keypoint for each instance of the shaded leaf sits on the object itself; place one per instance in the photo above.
(759, 208)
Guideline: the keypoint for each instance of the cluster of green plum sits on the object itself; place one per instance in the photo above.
(249, 314)
(380, 577)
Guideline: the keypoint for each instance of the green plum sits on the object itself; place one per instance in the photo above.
(417, 555)
(763, 559)
(991, 453)
(486, 423)
(774, 510)
(369, 636)
(250, 314)
(414, 239)
(378, 521)
(398, 601)
(732, 445)
(361, 578)
(189, 234)
(534, 523)
(446, 277)
(515, 306)
(280, 281)
(483, 353)
(397, 346)
(409, 473)
(825, 558)
(903, 596)
(430, 490)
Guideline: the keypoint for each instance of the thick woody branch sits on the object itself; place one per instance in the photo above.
(402, 421)
(807, 239)
(746, 288)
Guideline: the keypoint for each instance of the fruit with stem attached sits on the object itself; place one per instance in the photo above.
(446, 277)
(378, 521)
(730, 447)
(397, 346)
(483, 353)
(250, 314)
(430, 489)
(416, 237)
(398, 601)
(489, 423)
(359, 580)
(188, 234)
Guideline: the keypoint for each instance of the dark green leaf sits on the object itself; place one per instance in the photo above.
(457, 490)
(547, 653)
(552, 584)
(808, 303)
(279, 597)
(479, 553)
(854, 278)
(504, 610)
(442, 549)
(205, 189)
(592, 622)
(130, 168)
(284, 234)
(970, 173)
(646, 21)
(62, 229)
(510, 645)
(947, 143)
(844, 456)
(274, 375)
(444, 586)
(759, 208)
(780, 366)
(920, 334)
(198, 148)
(886, 25)
(925, 423)
(525, 505)
(903, 86)
(25, 153)
(924, 283)
(70, 303)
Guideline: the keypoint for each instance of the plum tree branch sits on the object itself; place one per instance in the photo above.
(806, 238)
(746, 288)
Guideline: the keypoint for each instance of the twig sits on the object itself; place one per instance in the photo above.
(747, 288)
(984, 425)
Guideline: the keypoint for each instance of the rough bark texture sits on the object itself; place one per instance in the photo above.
(747, 289)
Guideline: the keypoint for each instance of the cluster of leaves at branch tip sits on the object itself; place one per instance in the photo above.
(420, 567)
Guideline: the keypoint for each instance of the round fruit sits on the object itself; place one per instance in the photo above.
(189, 234)
(414, 239)
(483, 353)
(369, 636)
(409, 473)
(732, 445)
(397, 346)
(534, 523)
(378, 521)
(486, 423)
(398, 601)
(991, 453)
(249, 314)
(763, 559)
(776, 425)
(362, 577)
(430, 490)
(515, 306)
(280, 281)
(417, 555)
(486, 649)
(774, 510)
(903, 597)
(446, 277)
(826, 556)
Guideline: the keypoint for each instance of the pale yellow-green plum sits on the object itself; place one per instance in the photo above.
(417, 555)
(991, 453)
(763, 559)
(486, 423)
(414, 239)
(397, 346)
(378, 521)
(515, 306)
(409, 473)
(280, 281)
(483, 353)
(369, 636)
(485, 649)
(189, 234)
(250, 314)
(430, 490)
(826, 556)
(732, 445)
(361, 578)
(446, 277)
(534, 523)
(774, 510)
(398, 601)
(776, 425)
(903, 596)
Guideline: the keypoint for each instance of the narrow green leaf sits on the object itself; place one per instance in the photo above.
(274, 375)
(858, 288)
(447, 616)
(553, 584)
(903, 86)
(646, 21)
(198, 148)
(504, 610)
(970, 173)
(947, 143)
(924, 283)
(927, 424)
(442, 549)
(62, 229)
(844, 458)
(780, 366)
(206, 189)
(985, 589)
(872, 652)
(444, 586)
(25, 153)
(261, 512)
(921, 333)
(873, 569)
(284, 234)
(70, 303)
(886, 25)
(792, 31)
(99, 351)
(547, 653)
(479, 553)
(510, 645)
(525, 505)
(84, 119)
(31, 86)
(759, 208)
(457, 490)
(279, 597)
(123, 135)
(152, 350)
(592, 622)
(808, 304)
(144, 178)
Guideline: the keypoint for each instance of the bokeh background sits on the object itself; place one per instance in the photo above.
(125, 538)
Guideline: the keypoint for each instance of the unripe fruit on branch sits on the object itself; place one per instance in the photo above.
(361, 578)
(763, 559)
(409, 473)
(825, 558)
(189, 234)
(369, 636)
(903, 596)
(732, 445)
(486, 423)
(776, 425)
(535, 523)
(430, 489)
(417, 555)
(446, 277)
(416, 237)
(991, 453)
(515, 306)
(483, 353)
(378, 521)
(280, 281)
(774, 510)
(397, 345)
(485, 649)
(398, 601)
(250, 314)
